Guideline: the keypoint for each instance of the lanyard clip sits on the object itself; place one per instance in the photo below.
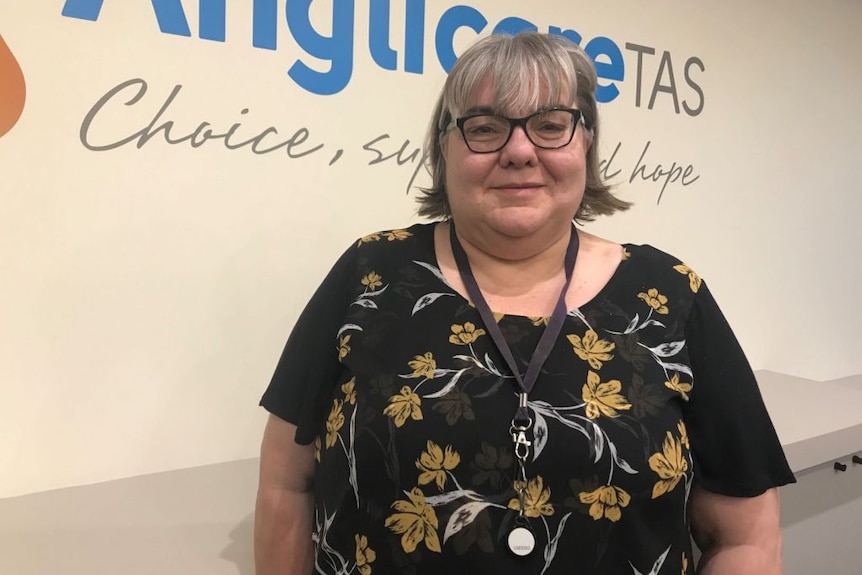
(522, 444)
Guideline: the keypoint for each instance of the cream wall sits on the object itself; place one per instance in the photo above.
(146, 293)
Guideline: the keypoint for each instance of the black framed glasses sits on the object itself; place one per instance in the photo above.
(546, 129)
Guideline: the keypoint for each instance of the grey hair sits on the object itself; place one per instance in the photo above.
(524, 68)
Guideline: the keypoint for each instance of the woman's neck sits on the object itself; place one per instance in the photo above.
(530, 285)
(516, 277)
(507, 266)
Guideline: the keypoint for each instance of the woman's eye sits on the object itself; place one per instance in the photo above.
(550, 128)
(484, 130)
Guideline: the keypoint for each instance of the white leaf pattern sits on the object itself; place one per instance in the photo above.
(427, 300)
(433, 269)
(335, 559)
(656, 568)
(540, 434)
(469, 358)
(680, 367)
(448, 387)
(348, 326)
(491, 367)
(599, 443)
(545, 409)
(551, 549)
(374, 293)
(450, 496)
(462, 517)
(668, 349)
(577, 313)
(620, 462)
(351, 457)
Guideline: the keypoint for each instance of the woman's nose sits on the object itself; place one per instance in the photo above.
(519, 149)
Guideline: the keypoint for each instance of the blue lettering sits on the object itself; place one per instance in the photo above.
(338, 48)
(614, 70)
(452, 19)
(169, 13)
(570, 34)
(82, 9)
(512, 25)
(378, 35)
(264, 18)
(414, 37)
(211, 20)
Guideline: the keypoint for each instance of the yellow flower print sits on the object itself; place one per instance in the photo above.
(655, 300)
(694, 280)
(435, 462)
(540, 321)
(423, 365)
(681, 388)
(349, 391)
(405, 404)
(497, 315)
(317, 448)
(670, 465)
(416, 521)
(343, 348)
(606, 501)
(465, 334)
(372, 281)
(536, 498)
(592, 349)
(364, 555)
(334, 422)
(375, 237)
(683, 434)
(397, 235)
(603, 398)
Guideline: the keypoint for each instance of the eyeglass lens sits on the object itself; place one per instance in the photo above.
(545, 129)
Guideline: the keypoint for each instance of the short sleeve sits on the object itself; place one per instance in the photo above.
(309, 366)
(736, 448)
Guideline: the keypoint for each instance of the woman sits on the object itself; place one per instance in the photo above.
(501, 392)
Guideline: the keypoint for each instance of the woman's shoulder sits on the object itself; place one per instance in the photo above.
(391, 251)
(649, 256)
(398, 239)
(651, 267)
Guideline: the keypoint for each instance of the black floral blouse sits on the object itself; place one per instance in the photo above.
(392, 376)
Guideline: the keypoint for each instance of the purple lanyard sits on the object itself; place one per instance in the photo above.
(549, 335)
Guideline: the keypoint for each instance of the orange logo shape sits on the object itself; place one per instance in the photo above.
(13, 91)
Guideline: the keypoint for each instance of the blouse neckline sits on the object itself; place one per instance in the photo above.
(427, 238)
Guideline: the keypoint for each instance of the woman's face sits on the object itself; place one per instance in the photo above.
(518, 190)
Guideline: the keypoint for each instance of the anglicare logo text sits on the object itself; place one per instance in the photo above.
(661, 80)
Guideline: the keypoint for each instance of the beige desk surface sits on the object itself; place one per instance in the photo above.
(199, 521)
(816, 421)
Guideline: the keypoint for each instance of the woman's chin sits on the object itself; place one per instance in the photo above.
(525, 222)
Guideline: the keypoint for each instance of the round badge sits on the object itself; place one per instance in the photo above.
(521, 541)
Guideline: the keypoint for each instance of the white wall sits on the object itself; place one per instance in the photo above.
(146, 293)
